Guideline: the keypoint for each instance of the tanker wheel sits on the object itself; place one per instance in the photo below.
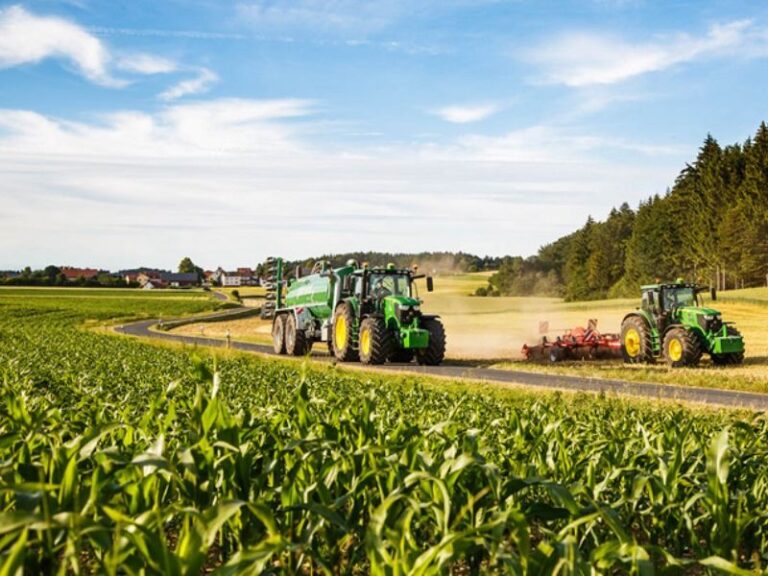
(730, 357)
(636, 345)
(343, 333)
(375, 342)
(434, 353)
(681, 348)
(278, 334)
(296, 343)
(402, 355)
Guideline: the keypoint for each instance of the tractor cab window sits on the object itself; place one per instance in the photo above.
(382, 285)
(679, 297)
(649, 302)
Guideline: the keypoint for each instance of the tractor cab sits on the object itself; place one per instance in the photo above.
(382, 290)
(665, 302)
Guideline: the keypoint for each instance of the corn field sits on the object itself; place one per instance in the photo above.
(120, 457)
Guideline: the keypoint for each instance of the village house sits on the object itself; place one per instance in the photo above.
(73, 274)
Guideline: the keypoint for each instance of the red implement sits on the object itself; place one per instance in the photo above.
(574, 344)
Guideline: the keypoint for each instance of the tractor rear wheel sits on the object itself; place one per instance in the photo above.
(278, 334)
(434, 353)
(636, 345)
(375, 341)
(731, 357)
(296, 343)
(344, 333)
(681, 348)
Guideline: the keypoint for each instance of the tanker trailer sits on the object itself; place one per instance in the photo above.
(371, 314)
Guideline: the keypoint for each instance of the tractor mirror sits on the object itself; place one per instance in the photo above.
(713, 293)
(430, 284)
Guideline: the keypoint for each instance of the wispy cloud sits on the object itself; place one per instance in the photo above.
(26, 38)
(202, 82)
(146, 64)
(584, 59)
(466, 114)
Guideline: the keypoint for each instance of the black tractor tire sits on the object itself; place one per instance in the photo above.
(731, 358)
(402, 355)
(330, 347)
(346, 349)
(434, 353)
(641, 351)
(296, 342)
(681, 348)
(278, 334)
(375, 342)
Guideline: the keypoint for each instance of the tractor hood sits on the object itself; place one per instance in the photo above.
(700, 310)
(401, 307)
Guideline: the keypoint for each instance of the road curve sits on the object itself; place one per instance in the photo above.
(707, 396)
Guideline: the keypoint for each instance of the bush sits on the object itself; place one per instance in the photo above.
(482, 291)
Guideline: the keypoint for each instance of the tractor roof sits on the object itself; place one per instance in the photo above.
(669, 285)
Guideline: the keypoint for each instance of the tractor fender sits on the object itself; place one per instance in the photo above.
(638, 314)
(303, 318)
(429, 316)
(671, 327)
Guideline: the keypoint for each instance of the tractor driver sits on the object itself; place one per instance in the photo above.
(379, 289)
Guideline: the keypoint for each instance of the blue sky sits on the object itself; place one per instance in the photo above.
(140, 132)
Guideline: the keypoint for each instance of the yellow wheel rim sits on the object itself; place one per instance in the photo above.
(340, 332)
(365, 342)
(632, 342)
(675, 350)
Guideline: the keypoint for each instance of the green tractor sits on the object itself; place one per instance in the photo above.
(673, 323)
(362, 313)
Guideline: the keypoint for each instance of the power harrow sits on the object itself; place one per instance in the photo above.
(574, 344)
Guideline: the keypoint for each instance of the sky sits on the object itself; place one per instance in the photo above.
(138, 132)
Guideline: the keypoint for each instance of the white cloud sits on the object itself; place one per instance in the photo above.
(584, 59)
(147, 64)
(466, 114)
(201, 83)
(230, 181)
(26, 38)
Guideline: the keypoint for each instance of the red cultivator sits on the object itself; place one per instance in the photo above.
(575, 344)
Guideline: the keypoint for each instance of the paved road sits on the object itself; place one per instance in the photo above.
(710, 396)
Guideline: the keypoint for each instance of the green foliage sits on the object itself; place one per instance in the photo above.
(186, 266)
(121, 457)
(714, 220)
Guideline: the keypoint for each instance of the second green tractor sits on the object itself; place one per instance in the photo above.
(672, 323)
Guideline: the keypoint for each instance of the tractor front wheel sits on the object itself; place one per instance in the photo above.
(434, 353)
(681, 348)
(343, 333)
(278, 334)
(636, 345)
(375, 342)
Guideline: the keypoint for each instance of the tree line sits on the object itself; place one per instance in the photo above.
(710, 227)
(428, 262)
